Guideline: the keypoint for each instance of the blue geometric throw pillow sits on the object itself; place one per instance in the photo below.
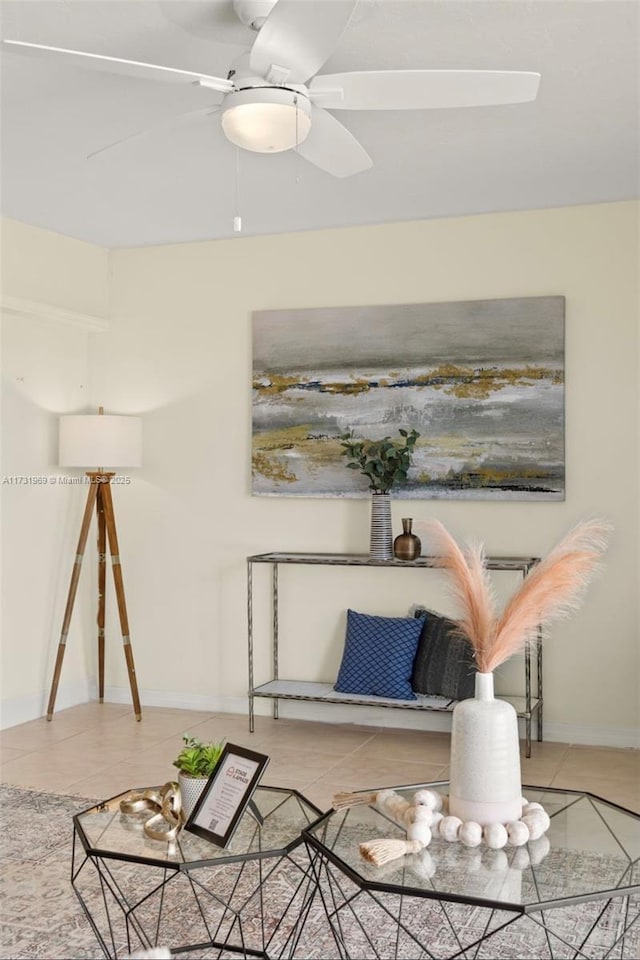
(378, 656)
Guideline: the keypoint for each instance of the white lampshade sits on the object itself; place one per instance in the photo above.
(100, 441)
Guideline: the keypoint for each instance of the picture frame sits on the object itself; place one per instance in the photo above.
(481, 381)
(227, 794)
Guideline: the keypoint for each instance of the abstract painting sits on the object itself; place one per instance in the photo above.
(482, 382)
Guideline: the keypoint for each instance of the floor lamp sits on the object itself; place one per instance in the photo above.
(86, 441)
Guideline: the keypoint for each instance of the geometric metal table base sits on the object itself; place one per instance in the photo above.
(252, 908)
(190, 896)
(292, 883)
(574, 892)
(381, 925)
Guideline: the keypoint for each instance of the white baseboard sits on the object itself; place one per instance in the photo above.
(33, 705)
(583, 734)
(178, 701)
(587, 734)
(22, 709)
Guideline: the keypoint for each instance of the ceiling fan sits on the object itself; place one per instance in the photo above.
(275, 100)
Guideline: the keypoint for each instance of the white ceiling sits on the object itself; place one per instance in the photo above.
(578, 143)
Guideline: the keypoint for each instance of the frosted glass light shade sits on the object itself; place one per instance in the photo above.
(100, 441)
(266, 120)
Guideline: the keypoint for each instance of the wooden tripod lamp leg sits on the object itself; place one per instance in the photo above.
(102, 577)
(110, 521)
(73, 586)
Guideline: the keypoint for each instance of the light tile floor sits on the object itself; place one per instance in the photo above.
(98, 750)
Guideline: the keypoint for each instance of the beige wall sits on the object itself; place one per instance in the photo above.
(178, 351)
(53, 270)
(54, 293)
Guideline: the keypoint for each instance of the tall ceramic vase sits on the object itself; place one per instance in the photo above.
(485, 781)
(381, 544)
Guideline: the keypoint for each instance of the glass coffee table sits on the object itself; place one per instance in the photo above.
(190, 895)
(575, 892)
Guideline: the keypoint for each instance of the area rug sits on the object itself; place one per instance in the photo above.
(42, 918)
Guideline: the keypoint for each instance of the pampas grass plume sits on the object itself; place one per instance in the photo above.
(552, 590)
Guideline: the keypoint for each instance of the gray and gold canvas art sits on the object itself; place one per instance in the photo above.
(482, 381)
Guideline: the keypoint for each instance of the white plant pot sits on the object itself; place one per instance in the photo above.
(190, 789)
(485, 779)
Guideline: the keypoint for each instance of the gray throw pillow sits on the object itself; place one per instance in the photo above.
(444, 665)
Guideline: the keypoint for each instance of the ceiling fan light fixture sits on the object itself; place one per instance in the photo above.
(266, 119)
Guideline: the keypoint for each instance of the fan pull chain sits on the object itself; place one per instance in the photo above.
(297, 173)
(237, 219)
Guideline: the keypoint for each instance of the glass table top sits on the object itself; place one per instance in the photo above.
(105, 831)
(591, 851)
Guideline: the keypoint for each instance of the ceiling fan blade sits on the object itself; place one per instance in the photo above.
(331, 147)
(165, 125)
(422, 89)
(130, 68)
(298, 37)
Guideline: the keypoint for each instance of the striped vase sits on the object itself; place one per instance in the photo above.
(381, 545)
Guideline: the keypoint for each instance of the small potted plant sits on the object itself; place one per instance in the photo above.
(384, 463)
(195, 762)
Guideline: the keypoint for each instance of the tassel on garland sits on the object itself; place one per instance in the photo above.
(343, 800)
(417, 818)
(423, 798)
(380, 852)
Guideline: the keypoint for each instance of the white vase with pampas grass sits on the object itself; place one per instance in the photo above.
(485, 784)
(485, 780)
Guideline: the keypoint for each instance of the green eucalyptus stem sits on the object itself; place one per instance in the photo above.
(383, 462)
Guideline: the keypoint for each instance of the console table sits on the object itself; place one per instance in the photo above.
(527, 707)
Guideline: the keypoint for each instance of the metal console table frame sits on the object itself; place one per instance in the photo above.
(276, 689)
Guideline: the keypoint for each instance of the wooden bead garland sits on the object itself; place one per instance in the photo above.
(427, 816)
(470, 834)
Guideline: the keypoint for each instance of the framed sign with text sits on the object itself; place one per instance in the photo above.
(225, 797)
